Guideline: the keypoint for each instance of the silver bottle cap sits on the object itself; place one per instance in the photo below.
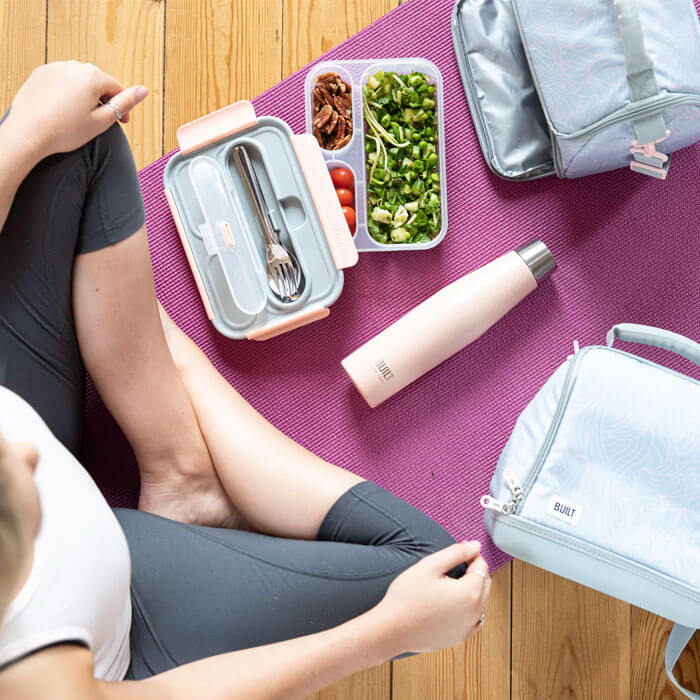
(538, 258)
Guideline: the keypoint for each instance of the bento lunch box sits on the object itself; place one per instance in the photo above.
(352, 156)
(220, 234)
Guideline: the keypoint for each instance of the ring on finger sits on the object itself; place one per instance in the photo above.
(481, 620)
(111, 105)
(483, 575)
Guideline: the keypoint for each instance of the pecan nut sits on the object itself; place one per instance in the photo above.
(324, 116)
(332, 111)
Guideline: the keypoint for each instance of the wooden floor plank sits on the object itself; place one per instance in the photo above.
(217, 52)
(372, 684)
(312, 27)
(22, 44)
(478, 670)
(125, 39)
(649, 635)
(568, 641)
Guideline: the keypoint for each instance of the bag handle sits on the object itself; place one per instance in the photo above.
(657, 337)
(641, 79)
(678, 640)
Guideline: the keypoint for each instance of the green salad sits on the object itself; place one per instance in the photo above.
(403, 182)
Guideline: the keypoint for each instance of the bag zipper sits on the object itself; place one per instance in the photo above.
(519, 493)
(655, 103)
(509, 508)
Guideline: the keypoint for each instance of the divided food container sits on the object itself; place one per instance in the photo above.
(221, 235)
(353, 155)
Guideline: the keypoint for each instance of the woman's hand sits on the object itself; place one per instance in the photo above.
(426, 610)
(59, 108)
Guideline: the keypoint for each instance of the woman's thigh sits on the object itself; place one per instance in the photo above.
(71, 203)
(39, 357)
(200, 591)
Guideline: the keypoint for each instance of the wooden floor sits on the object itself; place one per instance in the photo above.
(545, 637)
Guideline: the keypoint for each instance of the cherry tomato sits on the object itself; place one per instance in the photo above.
(350, 218)
(342, 177)
(345, 196)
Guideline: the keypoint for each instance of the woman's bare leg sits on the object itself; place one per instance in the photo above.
(123, 346)
(279, 487)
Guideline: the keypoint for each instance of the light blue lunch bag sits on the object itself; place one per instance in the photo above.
(600, 480)
(576, 87)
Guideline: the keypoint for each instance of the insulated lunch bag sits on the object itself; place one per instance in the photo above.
(600, 480)
(576, 87)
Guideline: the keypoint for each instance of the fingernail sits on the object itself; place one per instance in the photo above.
(141, 92)
(475, 543)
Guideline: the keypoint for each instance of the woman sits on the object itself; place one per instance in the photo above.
(259, 570)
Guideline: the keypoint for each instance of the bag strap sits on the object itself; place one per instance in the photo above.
(678, 640)
(651, 129)
(657, 337)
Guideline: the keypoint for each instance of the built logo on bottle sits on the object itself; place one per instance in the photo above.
(564, 510)
(383, 370)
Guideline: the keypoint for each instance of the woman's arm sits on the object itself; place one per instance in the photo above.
(18, 158)
(57, 109)
(423, 610)
(283, 671)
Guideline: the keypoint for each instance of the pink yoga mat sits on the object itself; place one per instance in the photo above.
(628, 250)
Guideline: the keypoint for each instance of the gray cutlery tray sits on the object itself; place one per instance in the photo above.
(298, 191)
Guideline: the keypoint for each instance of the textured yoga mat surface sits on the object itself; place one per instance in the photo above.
(628, 250)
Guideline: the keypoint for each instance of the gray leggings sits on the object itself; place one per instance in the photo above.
(196, 591)
(199, 591)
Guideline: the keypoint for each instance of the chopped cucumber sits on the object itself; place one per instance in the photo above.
(402, 159)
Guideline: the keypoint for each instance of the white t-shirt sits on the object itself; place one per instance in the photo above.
(78, 587)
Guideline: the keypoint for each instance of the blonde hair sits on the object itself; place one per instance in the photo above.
(12, 542)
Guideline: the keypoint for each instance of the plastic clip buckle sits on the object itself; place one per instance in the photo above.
(647, 160)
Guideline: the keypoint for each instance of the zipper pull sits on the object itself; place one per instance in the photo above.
(491, 503)
(515, 488)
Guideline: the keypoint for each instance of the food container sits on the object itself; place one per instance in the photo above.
(352, 156)
(220, 233)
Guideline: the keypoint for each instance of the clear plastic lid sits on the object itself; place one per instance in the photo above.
(221, 230)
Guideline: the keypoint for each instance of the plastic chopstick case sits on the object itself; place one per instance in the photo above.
(600, 480)
(580, 88)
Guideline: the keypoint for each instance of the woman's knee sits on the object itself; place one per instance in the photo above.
(413, 532)
(369, 514)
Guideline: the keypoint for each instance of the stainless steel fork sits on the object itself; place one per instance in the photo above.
(283, 271)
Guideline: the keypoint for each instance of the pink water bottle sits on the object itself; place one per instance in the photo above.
(446, 322)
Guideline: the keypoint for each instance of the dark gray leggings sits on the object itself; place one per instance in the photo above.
(199, 591)
(196, 591)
